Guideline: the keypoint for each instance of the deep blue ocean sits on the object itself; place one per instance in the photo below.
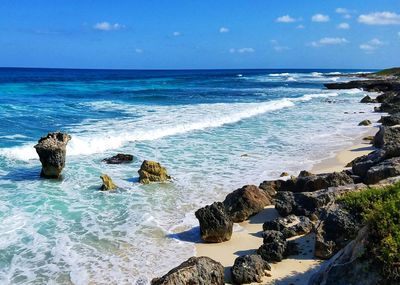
(214, 130)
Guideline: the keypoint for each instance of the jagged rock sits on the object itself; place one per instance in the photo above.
(367, 99)
(283, 174)
(245, 202)
(194, 271)
(275, 247)
(119, 159)
(215, 223)
(383, 170)
(387, 135)
(108, 184)
(351, 265)
(365, 123)
(367, 85)
(52, 151)
(386, 97)
(307, 203)
(290, 226)
(391, 120)
(336, 229)
(152, 171)
(361, 164)
(249, 268)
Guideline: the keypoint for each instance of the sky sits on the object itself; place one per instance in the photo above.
(171, 34)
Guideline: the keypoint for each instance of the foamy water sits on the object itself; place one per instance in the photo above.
(68, 232)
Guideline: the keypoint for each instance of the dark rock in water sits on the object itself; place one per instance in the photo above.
(368, 138)
(215, 224)
(108, 184)
(365, 123)
(152, 171)
(351, 265)
(367, 99)
(245, 202)
(283, 174)
(386, 97)
(52, 151)
(307, 203)
(383, 170)
(391, 120)
(249, 268)
(367, 85)
(194, 271)
(119, 159)
(336, 229)
(275, 247)
(290, 226)
(387, 135)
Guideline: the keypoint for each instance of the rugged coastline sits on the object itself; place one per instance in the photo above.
(306, 208)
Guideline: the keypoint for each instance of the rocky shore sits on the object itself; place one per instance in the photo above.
(320, 206)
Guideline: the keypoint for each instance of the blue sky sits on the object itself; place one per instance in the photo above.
(161, 34)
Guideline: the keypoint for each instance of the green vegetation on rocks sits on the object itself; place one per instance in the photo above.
(395, 71)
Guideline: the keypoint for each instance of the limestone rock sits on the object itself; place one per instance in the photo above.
(194, 271)
(245, 202)
(367, 99)
(365, 123)
(215, 224)
(52, 151)
(152, 171)
(119, 159)
(108, 184)
(249, 268)
(290, 226)
(275, 247)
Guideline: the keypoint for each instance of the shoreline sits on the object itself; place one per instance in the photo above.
(247, 236)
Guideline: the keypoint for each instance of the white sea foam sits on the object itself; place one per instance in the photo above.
(92, 137)
(13, 137)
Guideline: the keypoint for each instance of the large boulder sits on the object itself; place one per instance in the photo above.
(383, 170)
(290, 226)
(215, 224)
(151, 171)
(245, 202)
(387, 135)
(367, 99)
(351, 265)
(249, 268)
(119, 159)
(194, 271)
(108, 184)
(275, 247)
(337, 227)
(391, 120)
(52, 151)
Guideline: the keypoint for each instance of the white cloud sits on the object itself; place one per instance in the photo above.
(320, 18)
(329, 41)
(372, 45)
(176, 34)
(138, 50)
(223, 30)
(277, 47)
(300, 27)
(106, 26)
(343, 26)
(242, 50)
(380, 18)
(285, 19)
(342, 11)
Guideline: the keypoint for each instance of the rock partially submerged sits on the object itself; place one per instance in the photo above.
(119, 159)
(367, 99)
(365, 123)
(52, 151)
(245, 202)
(249, 268)
(108, 184)
(151, 171)
(194, 271)
(215, 223)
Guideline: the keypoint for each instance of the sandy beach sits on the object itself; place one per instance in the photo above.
(246, 238)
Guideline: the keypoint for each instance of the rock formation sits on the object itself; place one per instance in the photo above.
(248, 269)
(119, 159)
(151, 171)
(108, 184)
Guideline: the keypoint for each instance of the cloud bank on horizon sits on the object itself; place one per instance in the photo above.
(251, 34)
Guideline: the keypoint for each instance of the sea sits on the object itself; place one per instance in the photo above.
(214, 131)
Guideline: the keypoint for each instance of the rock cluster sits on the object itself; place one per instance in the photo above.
(52, 151)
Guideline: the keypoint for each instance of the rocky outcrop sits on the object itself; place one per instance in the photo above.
(383, 170)
(367, 85)
(351, 265)
(215, 223)
(52, 151)
(365, 123)
(367, 99)
(290, 226)
(336, 229)
(307, 203)
(151, 171)
(245, 202)
(194, 271)
(119, 159)
(108, 184)
(275, 247)
(248, 269)
(387, 135)
(391, 120)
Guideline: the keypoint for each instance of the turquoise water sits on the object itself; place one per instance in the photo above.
(196, 123)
